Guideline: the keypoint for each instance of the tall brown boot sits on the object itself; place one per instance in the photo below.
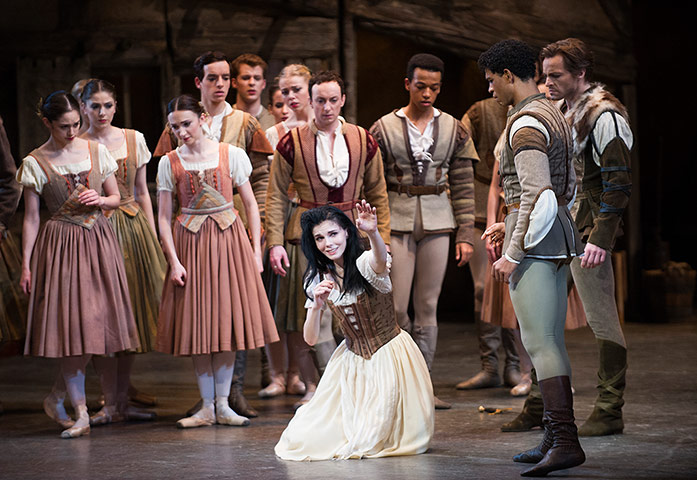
(566, 451)
(531, 415)
(606, 418)
(489, 342)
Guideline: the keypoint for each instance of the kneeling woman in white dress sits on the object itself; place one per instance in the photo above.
(375, 398)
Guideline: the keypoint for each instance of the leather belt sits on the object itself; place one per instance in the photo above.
(343, 206)
(411, 190)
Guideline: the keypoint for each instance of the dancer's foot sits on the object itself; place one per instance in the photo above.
(305, 400)
(130, 412)
(440, 404)
(275, 388)
(54, 408)
(225, 415)
(136, 396)
(523, 387)
(483, 379)
(203, 418)
(81, 426)
(108, 414)
(295, 385)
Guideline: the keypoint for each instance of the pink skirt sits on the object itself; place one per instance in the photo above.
(79, 301)
(223, 305)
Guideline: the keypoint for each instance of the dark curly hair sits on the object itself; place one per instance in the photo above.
(516, 56)
(318, 263)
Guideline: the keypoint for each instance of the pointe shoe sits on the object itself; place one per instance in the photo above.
(136, 396)
(129, 412)
(224, 415)
(74, 432)
(276, 387)
(203, 418)
(295, 385)
(483, 379)
(82, 425)
(305, 400)
(105, 416)
(440, 404)
(59, 415)
(523, 387)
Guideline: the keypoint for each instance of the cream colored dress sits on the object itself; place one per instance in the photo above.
(365, 408)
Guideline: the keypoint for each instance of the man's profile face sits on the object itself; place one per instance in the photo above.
(327, 102)
(249, 82)
(423, 88)
(559, 81)
(216, 82)
(499, 87)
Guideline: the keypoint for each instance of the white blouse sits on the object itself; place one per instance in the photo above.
(30, 174)
(240, 168)
(142, 153)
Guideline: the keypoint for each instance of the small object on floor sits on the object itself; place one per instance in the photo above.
(483, 379)
(492, 410)
(440, 404)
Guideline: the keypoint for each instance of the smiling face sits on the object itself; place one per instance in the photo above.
(215, 83)
(295, 92)
(249, 82)
(278, 107)
(65, 128)
(330, 240)
(561, 83)
(327, 102)
(100, 109)
(186, 126)
(423, 88)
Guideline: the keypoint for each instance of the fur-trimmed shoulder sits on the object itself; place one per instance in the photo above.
(593, 102)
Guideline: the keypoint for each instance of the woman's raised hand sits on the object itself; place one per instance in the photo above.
(367, 219)
(322, 291)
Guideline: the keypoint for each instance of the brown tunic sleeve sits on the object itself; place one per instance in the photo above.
(375, 187)
(10, 190)
(277, 200)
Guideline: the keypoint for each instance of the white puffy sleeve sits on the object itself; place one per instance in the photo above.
(107, 164)
(143, 155)
(165, 179)
(380, 281)
(31, 175)
(240, 165)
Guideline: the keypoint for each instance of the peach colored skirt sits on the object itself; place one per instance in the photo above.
(222, 306)
(79, 301)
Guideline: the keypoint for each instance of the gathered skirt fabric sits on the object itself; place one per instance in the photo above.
(289, 293)
(79, 301)
(222, 306)
(13, 303)
(365, 408)
(145, 270)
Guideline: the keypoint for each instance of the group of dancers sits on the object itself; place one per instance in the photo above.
(289, 222)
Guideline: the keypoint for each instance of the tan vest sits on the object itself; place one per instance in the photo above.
(400, 169)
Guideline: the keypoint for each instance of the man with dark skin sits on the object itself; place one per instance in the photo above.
(425, 149)
(540, 240)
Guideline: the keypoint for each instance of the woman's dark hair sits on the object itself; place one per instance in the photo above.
(57, 104)
(513, 55)
(185, 102)
(318, 263)
(94, 86)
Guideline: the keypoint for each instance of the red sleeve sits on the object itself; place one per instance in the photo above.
(286, 148)
(371, 147)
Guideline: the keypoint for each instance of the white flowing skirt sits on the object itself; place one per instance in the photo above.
(365, 408)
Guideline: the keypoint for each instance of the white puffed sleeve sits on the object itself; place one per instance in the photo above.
(240, 165)
(31, 175)
(142, 153)
(107, 164)
(380, 281)
(165, 179)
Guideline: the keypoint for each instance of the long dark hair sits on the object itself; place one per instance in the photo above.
(318, 263)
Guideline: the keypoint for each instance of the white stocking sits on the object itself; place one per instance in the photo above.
(73, 369)
(203, 367)
(223, 366)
